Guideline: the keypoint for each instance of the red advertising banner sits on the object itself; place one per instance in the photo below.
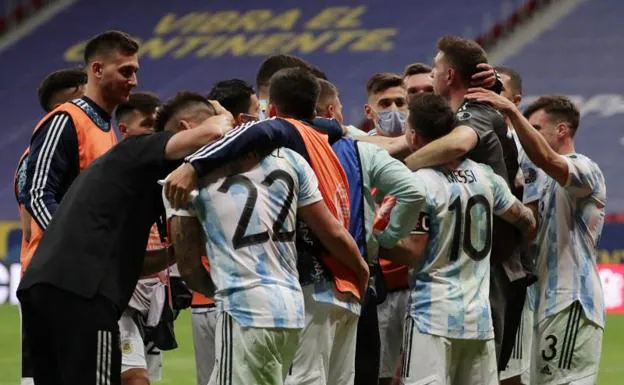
(612, 276)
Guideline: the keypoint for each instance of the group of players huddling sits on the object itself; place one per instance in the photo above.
(454, 243)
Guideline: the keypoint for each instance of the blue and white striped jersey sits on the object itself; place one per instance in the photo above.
(570, 224)
(249, 219)
(450, 289)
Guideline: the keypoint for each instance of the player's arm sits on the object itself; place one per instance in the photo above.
(522, 217)
(396, 147)
(533, 143)
(236, 143)
(187, 236)
(185, 142)
(509, 208)
(408, 251)
(390, 177)
(455, 144)
(157, 260)
(52, 161)
(335, 238)
(411, 249)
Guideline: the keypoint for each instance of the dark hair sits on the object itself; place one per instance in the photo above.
(327, 91)
(559, 108)
(58, 81)
(144, 102)
(294, 91)
(463, 55)
(430, 115)
(177, 104)
(109, 41)
(382, 81)
(233, 94)
(515, 80)
(275, 63)
(416, 69)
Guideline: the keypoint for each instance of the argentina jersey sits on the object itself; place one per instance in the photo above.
(570, 223)
(249, 218)
(450, 288)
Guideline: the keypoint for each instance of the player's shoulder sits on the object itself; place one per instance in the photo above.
(473, 110)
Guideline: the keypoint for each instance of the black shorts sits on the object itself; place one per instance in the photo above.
(72, 340)
(27, 369)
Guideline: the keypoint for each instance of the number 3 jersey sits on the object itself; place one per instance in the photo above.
(450, 288)
(249, 219)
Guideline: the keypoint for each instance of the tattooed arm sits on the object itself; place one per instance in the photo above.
(156, 260)
(522, 217)
(189, 246)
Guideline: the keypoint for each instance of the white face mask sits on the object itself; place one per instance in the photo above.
(391, 123)
(264, 109)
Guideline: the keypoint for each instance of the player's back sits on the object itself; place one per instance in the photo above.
(249, 218)
(450, 288)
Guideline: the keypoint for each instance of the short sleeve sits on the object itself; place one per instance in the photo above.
(582, 176)
(308, 184)
(534, 179)
(503, 198)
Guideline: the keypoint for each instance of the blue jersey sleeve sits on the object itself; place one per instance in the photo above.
(52, 165)
(266, 135)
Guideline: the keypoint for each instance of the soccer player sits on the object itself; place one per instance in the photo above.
(57, 88)
(141, 360)
(248, 210)
(332, 292)
(481, 134)
(369, 168)
(448, 336)
(239, 98)
(82, 277)
(386, 105)
(76, 133)
(570, 310)
(518, 369)
(417, 79)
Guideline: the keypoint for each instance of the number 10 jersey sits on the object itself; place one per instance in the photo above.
(450, 287)
(249, 219)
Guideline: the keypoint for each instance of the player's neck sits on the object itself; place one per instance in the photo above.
(94, 94)
(456, 98)
(566, 148)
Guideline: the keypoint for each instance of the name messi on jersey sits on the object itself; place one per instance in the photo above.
(460, 176)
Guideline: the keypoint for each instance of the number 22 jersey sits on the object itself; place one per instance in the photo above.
(450, 288)
(249, 219)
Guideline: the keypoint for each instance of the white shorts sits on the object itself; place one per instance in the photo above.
(246, 355)
(391, 314)
(520, 362)
(204, 326)
(326, 353)
(135, 353)
(566, 349)
(435, 360)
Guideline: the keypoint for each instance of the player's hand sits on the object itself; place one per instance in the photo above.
(179, 185)
(223, 116)
(501, 103)
(486, 77)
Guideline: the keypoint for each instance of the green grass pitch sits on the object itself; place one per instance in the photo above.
(179, 365)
